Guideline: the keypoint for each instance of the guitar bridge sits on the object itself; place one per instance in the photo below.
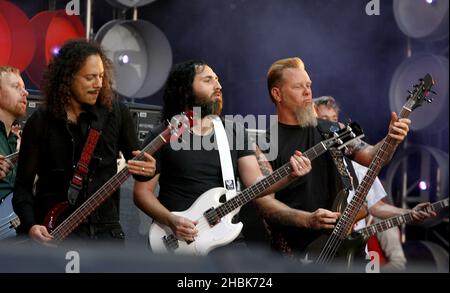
(171, 242)
(212, 217)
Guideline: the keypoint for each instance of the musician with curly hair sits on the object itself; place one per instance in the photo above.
(79, 97)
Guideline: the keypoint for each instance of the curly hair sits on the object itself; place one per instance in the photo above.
(179, 94)
(62, 69)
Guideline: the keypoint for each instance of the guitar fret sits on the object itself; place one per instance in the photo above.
(373, 230)
(315, 152)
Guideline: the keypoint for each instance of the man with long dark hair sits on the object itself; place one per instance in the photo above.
(185, 174)
(78, 97)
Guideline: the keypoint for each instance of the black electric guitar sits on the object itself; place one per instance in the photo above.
(329, 245)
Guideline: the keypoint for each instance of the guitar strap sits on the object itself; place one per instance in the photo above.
(351, 169)
(343, 164)
(228, 178)
(82, 169)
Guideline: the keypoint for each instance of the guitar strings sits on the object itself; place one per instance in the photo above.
(331, 247)
(3, 228)
(72, 222)
(335, 240)
(6, 224)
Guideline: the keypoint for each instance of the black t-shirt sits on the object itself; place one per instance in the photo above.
(50, 149)
(315, 190)
(186, 174)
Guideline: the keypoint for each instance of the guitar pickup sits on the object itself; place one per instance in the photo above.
(171, 242)
(212, 217)
(355, 235)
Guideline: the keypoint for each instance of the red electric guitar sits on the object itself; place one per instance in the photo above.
(61, 229)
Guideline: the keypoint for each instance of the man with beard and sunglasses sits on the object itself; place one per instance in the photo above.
(185, 174)
(296, 214)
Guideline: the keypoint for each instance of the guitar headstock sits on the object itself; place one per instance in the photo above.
(178, 125)
(420, 93)
(344, 136)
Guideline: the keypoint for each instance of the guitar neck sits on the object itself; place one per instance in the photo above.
(94, 201)
(399, 220)
(382, 155)
(259, 187)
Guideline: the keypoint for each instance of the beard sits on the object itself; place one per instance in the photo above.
(211, 105)
(306, 116)
(20, 110)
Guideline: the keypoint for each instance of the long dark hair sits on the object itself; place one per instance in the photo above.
(61, 71)
(179, 94)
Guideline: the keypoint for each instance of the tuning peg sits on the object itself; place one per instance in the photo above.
(433, 92)
(429, 100)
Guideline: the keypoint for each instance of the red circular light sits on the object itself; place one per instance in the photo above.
(52, 29)
(17, 42)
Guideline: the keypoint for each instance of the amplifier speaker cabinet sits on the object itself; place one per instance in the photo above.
(145, 117)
